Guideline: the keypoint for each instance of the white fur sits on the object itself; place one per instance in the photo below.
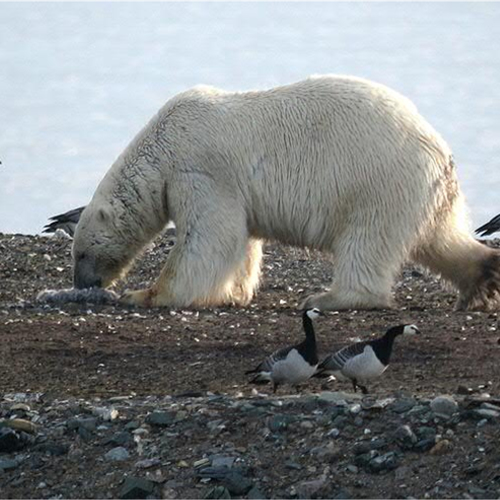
(336, 163)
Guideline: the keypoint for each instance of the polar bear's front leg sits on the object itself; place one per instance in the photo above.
(209, 263)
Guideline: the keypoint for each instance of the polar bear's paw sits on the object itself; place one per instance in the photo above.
(141, 298)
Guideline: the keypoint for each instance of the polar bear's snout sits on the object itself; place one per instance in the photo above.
(84, 275)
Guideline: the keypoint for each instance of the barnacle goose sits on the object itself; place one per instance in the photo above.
(293, 364)
(66, 221)
(490, 227)
(363, 361)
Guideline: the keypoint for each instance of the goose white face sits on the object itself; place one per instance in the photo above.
(410, 330)
(313, 313)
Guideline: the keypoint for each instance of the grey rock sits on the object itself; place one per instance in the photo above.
(293, 465)
(279, 422)
(222, 461)
(444, 406)
(10, 440)
(405, 437)
(486, 413)
(425, 444)
(160, 418)
(53, 449)
(120, 439)
(256, 494)
(217, 492)
(340, 421)
(310, 489)
(147, 463)
(136, 487)
(89, 424)
(389, 461)
(117, 454)
(237, 484)
(426, 432)
(130, 426)
(402, 405)
(8, 463)
(362, 460)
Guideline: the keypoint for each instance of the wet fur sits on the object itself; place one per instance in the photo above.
(335, 163)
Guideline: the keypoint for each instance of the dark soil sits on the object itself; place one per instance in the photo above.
(80, 352)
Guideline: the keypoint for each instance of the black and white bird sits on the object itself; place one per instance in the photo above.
(66, 221)
(363, 361)
(490, 227)
(293, 364)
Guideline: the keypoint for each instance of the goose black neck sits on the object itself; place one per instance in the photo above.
(307, 348)
(308, 327)
(383, 345)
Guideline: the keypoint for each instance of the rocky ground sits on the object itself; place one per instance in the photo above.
(108, 401)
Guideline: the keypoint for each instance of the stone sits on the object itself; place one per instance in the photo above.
(405, 437)
(10, 440)
(19, 424)
(53, 449)
(120, 439)
(487, 413)
(160, 418)
(310, 489)
(217, 492)
(147, 463)
(107, 414)
(8, 464)
(89, 424)
(441, 447)
(222, 461)
(237, 484)
(444, 406)
(136, 487)
(389, 461)
(402, 405)
(117, 454)
(256, 494)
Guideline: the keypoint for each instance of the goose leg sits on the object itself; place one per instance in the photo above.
(364, 390)
(355, 385)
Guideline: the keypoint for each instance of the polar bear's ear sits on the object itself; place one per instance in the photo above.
(103, 215)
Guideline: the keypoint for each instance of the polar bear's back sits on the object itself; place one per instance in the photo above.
(328, 148)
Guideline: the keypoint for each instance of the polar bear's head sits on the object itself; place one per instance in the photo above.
(102, 249)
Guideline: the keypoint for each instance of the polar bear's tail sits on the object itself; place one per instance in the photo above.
(452, 252)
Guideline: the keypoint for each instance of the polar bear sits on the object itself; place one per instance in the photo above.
(336, 163)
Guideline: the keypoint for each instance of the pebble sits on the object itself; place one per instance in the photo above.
(117, 454)
(19, 424)
(441, 447)
(217, 492)
(10, 440)
(310, 489)
(107, 414)
(444, 406)
(486, 413)
(405, 437)
(8, 463)
(402, 405)
(160, 418)
(136, 487)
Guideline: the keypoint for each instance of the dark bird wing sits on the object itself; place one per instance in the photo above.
(271, 360)
(66, 221)
(335, 362)
(490, 227)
